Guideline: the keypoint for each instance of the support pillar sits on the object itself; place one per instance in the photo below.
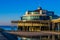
(58, 27)
(49, 25)
(23, 29)
(53, 25)
(40, 28)
(53, 37)
(40, 37)
(48, 37)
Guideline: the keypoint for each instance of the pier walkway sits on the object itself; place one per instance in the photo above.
(7, 36)
(22, 33)
(2, 37)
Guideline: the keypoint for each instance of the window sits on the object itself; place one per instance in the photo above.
(44, 17)
(30, 17)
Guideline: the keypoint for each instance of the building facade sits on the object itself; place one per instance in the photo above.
(40, 20)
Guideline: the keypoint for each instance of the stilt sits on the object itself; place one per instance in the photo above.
(40, 37)
(48, 37)
(58, 27)
(53, 37)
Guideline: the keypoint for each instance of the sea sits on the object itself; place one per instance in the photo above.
(9, 27)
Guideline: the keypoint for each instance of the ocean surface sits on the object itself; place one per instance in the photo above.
(9, 27)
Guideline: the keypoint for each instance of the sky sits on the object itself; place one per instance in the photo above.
(14, 9)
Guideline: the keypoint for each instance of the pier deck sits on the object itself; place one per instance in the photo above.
(22, 33)
(7, 36)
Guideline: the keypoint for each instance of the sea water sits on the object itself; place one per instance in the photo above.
(9, 27)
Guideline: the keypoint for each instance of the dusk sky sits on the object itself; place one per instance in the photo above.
(14, 9)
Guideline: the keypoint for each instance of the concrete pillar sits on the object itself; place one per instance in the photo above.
(23, 29)
(48, 37)
(53, 25)
(58, 27)
(40, 28)
(49, 25)
(53, 37)
(27, 28)
(58, 36)
(40, 37)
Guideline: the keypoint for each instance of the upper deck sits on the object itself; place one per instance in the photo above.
(32, 23)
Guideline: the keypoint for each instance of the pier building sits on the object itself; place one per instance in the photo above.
(39, 24)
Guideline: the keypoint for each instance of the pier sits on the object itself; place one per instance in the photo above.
(7, 36)
(49, 35)
(40, 24)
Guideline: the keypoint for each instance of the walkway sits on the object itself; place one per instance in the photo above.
(7, 36)
(2, 37)
(22, 33)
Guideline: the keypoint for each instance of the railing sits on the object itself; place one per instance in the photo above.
(20, 21)
(32, 24)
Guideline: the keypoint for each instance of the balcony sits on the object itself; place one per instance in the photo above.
(32, 24)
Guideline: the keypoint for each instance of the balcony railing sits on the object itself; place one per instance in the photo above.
(32, 24)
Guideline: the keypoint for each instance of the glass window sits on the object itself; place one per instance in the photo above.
(33, 12)
(35, 18)
(44, 17)
(30, 18)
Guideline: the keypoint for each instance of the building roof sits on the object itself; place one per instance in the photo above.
(56, 20)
